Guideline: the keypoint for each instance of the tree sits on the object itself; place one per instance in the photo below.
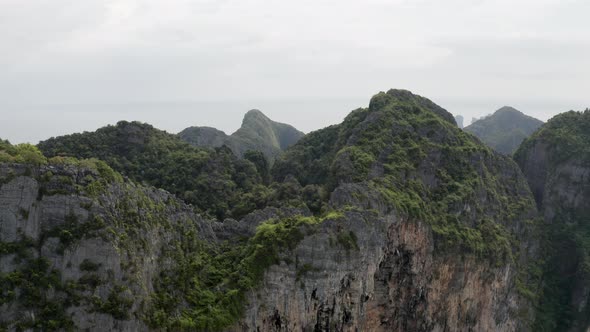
(261, 163)
(29, 154)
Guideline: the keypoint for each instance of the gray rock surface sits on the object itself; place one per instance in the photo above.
(562, 192)
(369, 269)
(121, 255)
(392, 280)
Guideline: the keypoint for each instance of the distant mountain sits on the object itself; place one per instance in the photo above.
(203, 136)
(505, 129)
(257, 132)
(213, 180)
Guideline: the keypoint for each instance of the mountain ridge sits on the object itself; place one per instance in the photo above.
(556, 163)
(257, 132)
(394, 219)
(505, 129)
(214, 180)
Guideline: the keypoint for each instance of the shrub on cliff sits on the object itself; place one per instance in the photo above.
(21, 153)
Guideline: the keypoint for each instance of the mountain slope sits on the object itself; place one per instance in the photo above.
(258, 133)
(394, 219)
(437, 194)
(556, 163)
(213, 180)
(203, 136)
(82, 248)
(505, 129)
(411, 151)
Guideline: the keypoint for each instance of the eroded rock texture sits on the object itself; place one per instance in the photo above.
(78, 262)
(555, 161)
(394, 220)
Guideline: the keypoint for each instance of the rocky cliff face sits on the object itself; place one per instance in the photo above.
(388, 264)
(556, 163)
(78, 252)
(386, 277)
(394, 220)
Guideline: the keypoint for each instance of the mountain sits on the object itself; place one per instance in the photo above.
(439, 197)
(258, 133)
(556, 163)
(80, 246)
(203, 136)
(215, 181)
(394, 219)
(505, 129)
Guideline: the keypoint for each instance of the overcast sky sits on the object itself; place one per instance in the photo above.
(73, 65)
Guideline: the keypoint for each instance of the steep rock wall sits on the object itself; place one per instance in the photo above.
(70, 261)
(393, 281)
(556, 163)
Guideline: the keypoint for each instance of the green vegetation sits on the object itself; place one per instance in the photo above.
(203, 137)
(257, 133)
(404, 152)
(88, 266)
(566, 136)
(215, 181)
(347, 240)
(566, 251)
(30, 286)
(34, 286)
(389, 146)
(51, 184)
(206, 287)
(352, 164)
(563, 144)
(73, 230)
(505, 129)
(92, 185)
(116, 305)
(21, 153)
(20, 248)
(260, 162)
(213, 281)
(317, 149)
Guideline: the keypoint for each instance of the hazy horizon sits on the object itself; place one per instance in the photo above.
(226, 116)
(70, 66)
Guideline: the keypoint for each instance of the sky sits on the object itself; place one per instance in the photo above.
(70, 65)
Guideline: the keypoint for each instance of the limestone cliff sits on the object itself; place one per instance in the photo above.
(386, 277)
(435, 236)
(556, 163)
(82, 252)
(394, 220)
